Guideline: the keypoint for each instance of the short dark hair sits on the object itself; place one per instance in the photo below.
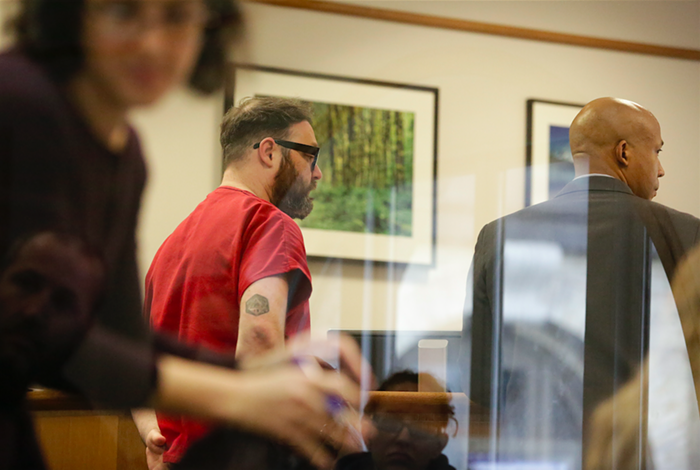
(50, 31)
(257, 118)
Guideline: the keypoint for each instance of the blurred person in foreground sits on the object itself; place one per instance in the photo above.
(70, 161)
(686, 292)
(605, 218)
(407, 432)
(615, 444)
(49, 286)
(233, 275)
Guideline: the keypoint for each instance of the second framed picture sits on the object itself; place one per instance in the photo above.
(549, 162)
(376, 200)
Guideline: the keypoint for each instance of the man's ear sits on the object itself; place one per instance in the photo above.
(622, 153)
(265, 152)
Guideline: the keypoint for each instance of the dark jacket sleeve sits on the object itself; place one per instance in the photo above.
(112, 370)
(484, 308)
(168, 344)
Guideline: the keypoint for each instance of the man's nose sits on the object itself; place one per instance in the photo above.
(404, 435)
(661, 170)
(317, 174)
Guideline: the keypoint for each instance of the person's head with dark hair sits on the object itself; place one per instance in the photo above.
(50, 285)
(270, 148)
(69, 36)
(411, 428)
(398, 381)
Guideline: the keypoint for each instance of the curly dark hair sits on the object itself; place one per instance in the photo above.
(49, 31)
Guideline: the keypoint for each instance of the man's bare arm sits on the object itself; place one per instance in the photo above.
(261, 328)
(263, 311)
(147, 424)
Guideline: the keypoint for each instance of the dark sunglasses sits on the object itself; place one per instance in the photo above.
(307, 149)
(419, 430)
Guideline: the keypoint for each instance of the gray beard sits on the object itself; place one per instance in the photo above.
(296, 202)
(289, 192)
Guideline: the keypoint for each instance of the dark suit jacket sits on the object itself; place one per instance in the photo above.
(599, 218)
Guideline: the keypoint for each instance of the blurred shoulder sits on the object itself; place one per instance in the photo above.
(25, 86)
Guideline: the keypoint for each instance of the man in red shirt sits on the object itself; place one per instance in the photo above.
(233, 275)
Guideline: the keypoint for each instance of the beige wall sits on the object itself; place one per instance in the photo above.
(484, 82)
(662, 22)
(180, 139)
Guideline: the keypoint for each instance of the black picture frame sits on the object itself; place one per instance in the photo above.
(420, 246)
(547, 122)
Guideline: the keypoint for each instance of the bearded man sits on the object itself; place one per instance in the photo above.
(233, 275)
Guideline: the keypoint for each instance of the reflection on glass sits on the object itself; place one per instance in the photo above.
(49, 285)
(561, 167)
(410, 428)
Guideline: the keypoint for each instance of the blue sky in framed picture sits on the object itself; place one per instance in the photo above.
(367, 163)
(561, 163)
(549, 158)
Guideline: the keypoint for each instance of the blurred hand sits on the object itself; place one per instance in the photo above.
(341, 350)
(293, 408)
(319, 428)
(283, 395)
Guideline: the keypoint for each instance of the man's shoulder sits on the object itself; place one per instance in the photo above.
(249, 211)
(563, 205)
(546, 209)
(686, 227)
(675, 214)
(551, 220)
(241, 198)
(552, 217)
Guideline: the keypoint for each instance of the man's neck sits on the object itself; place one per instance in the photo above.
(237, 179)
(588, 175)
(585, 165)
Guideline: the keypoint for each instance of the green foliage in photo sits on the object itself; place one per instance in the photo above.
(383, 211)
(367, 163)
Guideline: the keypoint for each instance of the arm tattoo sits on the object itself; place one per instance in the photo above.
(257, 305)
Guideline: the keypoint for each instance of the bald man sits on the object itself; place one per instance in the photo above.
(559, 317)
(618, 138)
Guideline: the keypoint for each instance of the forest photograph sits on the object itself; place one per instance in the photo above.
(367, 163)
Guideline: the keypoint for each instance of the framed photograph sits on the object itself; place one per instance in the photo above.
(549, 163)
(378, 140)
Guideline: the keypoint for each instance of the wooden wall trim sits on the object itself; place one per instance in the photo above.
(484, 28)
